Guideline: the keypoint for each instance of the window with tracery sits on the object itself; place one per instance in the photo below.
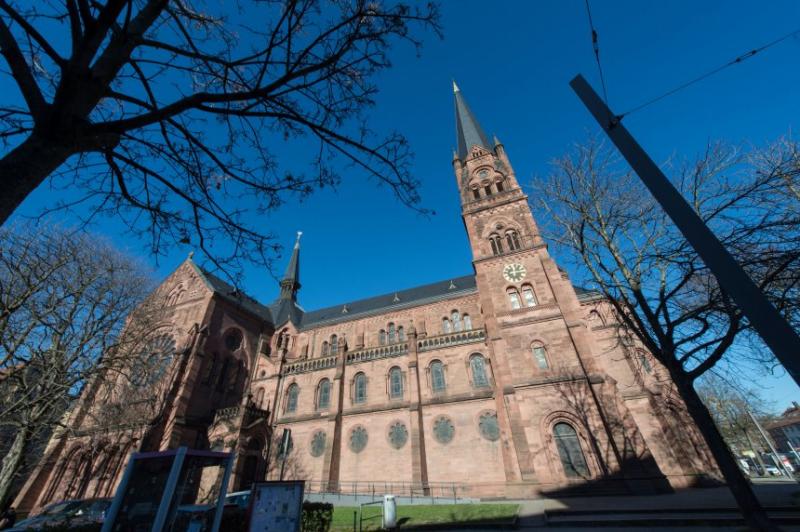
(512, 240)
(496, 243)
(488, 426)
(540, 355)
(398, 435)
(570, 452)
(467, 322)
(334, 344)
(395, 383)
(392, 333)
(324, 394)
(317, 447)
(443, 429)
(360, 388)
(437, 376)
(358, 439)
(292, 394)
(401, 334)
(477, 366)
(382, 337)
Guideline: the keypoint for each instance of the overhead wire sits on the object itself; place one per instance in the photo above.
(596, 48)
(708, 74)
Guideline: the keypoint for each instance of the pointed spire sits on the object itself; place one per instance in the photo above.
(468, 130)
(290, 283)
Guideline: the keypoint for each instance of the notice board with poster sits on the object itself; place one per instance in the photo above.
(276, 506)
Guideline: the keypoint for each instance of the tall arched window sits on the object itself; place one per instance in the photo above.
(334, 344)
(476, 193)
(456, 318)
(539, 355)
(499, 185)
(259, 397)
(528, 296)
(644, 361)
(497, 244)
(382, 337)
(401, 334)
(512, 239)
(467, 322)
(324, 394)
(437, 376)
(325, 349)
(570, 452)
(292, 394)
(477, 366)
(513, 298)
(446, 326)
(360, 388)
(487, 188)
(392, 333)
(395, 383)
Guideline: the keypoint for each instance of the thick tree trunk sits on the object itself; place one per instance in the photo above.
(24, 168)
(11, 463)
(751, 508)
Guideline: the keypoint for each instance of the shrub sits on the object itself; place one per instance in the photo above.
(317, 516)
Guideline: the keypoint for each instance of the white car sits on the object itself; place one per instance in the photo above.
(772, 470)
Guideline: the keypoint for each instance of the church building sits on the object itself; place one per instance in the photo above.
(506, 382)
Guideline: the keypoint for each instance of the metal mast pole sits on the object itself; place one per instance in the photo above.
(765, 318)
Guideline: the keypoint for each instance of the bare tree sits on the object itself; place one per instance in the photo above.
(599, 211)
(63, 302)
(167, 112)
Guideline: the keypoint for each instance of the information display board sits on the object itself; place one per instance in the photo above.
(276, 506)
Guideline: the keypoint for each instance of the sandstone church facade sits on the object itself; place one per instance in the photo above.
(507, 382)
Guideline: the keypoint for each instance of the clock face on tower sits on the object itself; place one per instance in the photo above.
(514, 272)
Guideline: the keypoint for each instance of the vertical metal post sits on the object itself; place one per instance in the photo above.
(169, 490)
(111, 516)
(765, 318)
(772, 450)
(223, 490)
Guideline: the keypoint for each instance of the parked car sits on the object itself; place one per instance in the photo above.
(75, 512)
(772, 470)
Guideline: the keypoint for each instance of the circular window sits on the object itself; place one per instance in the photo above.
(398, 435)
(487, 424)
(443, 430)
(318, 444)
(358, 439)
(233, 339)
(483, 173)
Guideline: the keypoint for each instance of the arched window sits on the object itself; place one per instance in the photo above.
(467, 322)
(382, 337)
(324, 394)
(539, 355)
(477, 365)
(487, 188)
(401, 334)
(644, 361)
(334, 344)
(497, 244)
(513, 298)
(223, 374)
(570, 452)
(259, 397)
(395, 383)
(499, 185)
(528, 296)
(476, 193)
(437, 376)
(292, 394)
(446, 326)
(456, 318)
(512, 239)
(324, 349)
(392, 333)
(359, 388)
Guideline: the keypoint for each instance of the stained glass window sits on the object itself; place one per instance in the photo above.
(395, 383)
(291, 397)
(401, 334)
(570, 452)
(233, 339)
(360, 388)
(488, 427)
(446, 326)
(456, 321)
(398, 435)
(443, 430)
(437, 376)
(358, 439)
(318, 443)
(324, 349)
(478, 366)
(324, 397)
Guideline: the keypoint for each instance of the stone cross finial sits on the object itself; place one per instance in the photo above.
(297, 242)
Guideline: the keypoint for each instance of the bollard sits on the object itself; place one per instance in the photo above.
(389, 512)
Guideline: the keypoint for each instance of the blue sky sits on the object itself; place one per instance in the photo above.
(513, 61)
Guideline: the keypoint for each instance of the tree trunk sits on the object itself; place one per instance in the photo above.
(11, 463)
(24, 168)
(752, 511)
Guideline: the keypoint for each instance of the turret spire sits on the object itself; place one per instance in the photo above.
(290, 283)
(468, 130)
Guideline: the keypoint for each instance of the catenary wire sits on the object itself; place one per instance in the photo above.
(596, 48)
(710, 73)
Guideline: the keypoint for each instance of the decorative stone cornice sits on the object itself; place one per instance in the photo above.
(451, 339)
(375, 353)
(310, 364)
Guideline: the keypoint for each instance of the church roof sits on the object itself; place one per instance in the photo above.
(419, 295)
(232, 295)
(468, 130)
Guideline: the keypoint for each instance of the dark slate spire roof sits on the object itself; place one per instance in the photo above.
(285, 308)
(468, 130)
